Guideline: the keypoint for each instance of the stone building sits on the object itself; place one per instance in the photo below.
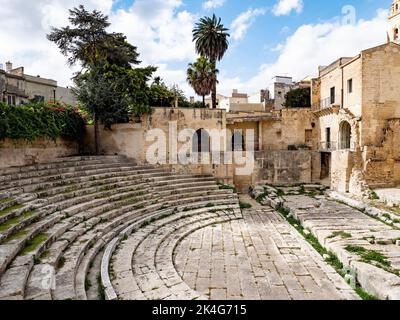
(282, 86)
(359, 119)
(16, 88)
(394, 22)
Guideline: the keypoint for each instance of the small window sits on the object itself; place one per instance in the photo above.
(9, 100)
(396, 34)
(333, 93)
(38, 98)
(350, 86)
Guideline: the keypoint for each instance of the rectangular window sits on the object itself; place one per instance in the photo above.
(328, 138)
(350, 86)
(9, 100)
(308, 135)
(333, 93)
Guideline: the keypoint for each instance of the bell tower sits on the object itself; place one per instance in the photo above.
(394, 22)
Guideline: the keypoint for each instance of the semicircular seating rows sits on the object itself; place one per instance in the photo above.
(80, 227)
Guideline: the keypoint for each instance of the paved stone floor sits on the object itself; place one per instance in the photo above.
(260, 257)
(329, 219)
(389, 195)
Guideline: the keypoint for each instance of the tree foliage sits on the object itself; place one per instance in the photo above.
(202, 76)
(211, 41)
(298, 98)
(114, 93)
(41, 120)
(87, 41)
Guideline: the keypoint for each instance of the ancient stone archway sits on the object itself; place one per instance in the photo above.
(344, 135)
(238, 143)
(201, 141)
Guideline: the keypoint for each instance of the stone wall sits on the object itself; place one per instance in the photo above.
(21, 153)
(382, 163)
(294, 127)
(286, 167)
(277, 165)
(381, 91)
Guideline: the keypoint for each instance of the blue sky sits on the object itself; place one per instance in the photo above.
(269, 37)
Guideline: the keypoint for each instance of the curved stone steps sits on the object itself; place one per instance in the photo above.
(38, 184)
(57, 204)
(71, 162)
(143, 279)
(16, 245)
(98, 233)
(110, 293)
(71, 206)
(67, 212)
(43, 173)
(184, 190)
(178, 179)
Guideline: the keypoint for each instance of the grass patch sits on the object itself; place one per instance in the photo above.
(280, 192)
(373, 196)
(14, 221)
(100, 288)
(342, 234)
(333, 260)
(369, 256)
(261, 197)
(10, 223)
(364, 295)
(244, 205)
(17, 235)
(227, 187)
(31, 245)
(61, 262)
(10, 209)
(5, 200)
(88, 284)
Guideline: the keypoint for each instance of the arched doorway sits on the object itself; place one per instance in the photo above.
(345, 136)
(201, 141)
(238, 142)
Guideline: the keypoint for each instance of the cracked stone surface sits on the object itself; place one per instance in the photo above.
(338, 226)
(259, 257)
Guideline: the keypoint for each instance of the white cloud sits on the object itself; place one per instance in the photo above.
(313, 45)
(159, 28)
(213, 4)
(285, 7)
(243, 22)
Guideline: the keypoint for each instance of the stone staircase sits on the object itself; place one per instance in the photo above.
(61, 223)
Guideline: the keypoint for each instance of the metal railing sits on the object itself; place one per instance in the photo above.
(328, 145)
(329, 102)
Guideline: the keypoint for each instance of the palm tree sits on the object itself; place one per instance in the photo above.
(211, 38)
(202, 77)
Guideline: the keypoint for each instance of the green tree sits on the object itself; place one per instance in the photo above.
(87, 41)
(160, 95)
(298, 98)
(102, 55)
(211, 40)
(202, 77)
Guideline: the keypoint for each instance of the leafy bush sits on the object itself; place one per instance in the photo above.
(40, 120)
(298, 98)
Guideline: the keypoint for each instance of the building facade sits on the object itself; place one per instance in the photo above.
(394, 22)
(17, 88)
(359, 119)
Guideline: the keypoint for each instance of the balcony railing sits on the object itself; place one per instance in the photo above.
(335, 146)
(329, 102)
(328, 145)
